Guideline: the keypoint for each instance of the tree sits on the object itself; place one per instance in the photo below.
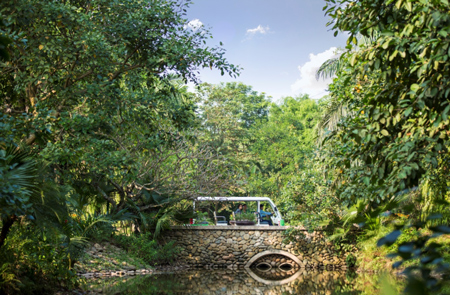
(176, 170)
(65, 56)
(231, 104)
(398, 131)
(89, 86)
(229, 114)
(396, 138)
(282, 145)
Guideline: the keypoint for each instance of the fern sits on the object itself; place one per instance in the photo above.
(7, 277)
(163, 223)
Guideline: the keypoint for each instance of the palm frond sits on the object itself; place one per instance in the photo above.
(163, 223)
(339, 234)
(353, 214)
(18, 170)
(142, 218)
(182, 215)
(333, 113)
(329, 68)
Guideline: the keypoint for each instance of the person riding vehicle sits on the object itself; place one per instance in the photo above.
(264, 214)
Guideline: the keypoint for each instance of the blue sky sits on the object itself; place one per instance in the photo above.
(279, 43)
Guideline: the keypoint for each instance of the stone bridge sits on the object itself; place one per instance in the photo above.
(256, 247)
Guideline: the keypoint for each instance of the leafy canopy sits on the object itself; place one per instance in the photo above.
(397, 92)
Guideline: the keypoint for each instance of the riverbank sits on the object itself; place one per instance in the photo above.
(107, 264)
(106, 259)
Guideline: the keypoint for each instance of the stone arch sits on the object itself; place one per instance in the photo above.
(270, 252)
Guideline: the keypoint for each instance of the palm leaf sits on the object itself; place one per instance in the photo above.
(163, 222)
(329, 68)
(18, 169)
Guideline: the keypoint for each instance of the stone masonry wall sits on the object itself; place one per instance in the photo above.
(234, 246)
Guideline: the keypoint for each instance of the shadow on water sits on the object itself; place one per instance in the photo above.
(251, 281)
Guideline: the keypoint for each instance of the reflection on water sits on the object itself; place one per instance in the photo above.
(235, 282)
(274, 269)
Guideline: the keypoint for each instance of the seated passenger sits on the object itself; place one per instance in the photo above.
(265, 214)
(239, 210)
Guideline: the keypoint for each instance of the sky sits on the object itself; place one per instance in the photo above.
(279, 44)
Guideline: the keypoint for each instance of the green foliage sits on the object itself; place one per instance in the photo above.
(17, 182)
(422, 254)
(350, 260)
(36, 243)
(397, 131)
(246, 216)
(145, 247)
(94, 95)
(393, 138)
(164, 219)
(329, 68)
(27, 193)
(312, 201)
(231, 107)
(98, 101)
(203, 218)
(4, 42)
(7, 277)
(229, 114)
(288, 135)
(95, 226)
(31, 256)
(283, 144)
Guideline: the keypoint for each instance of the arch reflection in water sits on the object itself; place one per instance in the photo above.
(275, 278)
(273, 269)
(286, 267)
(263, 266)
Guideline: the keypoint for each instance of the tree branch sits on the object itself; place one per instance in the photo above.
(105, 196)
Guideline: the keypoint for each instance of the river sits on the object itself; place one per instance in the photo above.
(246, 282)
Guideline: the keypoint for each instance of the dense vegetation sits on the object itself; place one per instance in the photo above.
(391, 146)
(96, 128)
(100, 139)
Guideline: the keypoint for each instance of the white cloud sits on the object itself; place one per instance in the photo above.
(259, 29)
(194, 24)
(307, 82)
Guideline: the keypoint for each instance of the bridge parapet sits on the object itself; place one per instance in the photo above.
(246, 246)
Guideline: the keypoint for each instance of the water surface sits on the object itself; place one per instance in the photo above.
(240, 282)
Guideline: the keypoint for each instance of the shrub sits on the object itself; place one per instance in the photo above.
(34, 262)
(148, 249)
(350, 260)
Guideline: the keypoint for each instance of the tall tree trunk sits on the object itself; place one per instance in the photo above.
(7, 224)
